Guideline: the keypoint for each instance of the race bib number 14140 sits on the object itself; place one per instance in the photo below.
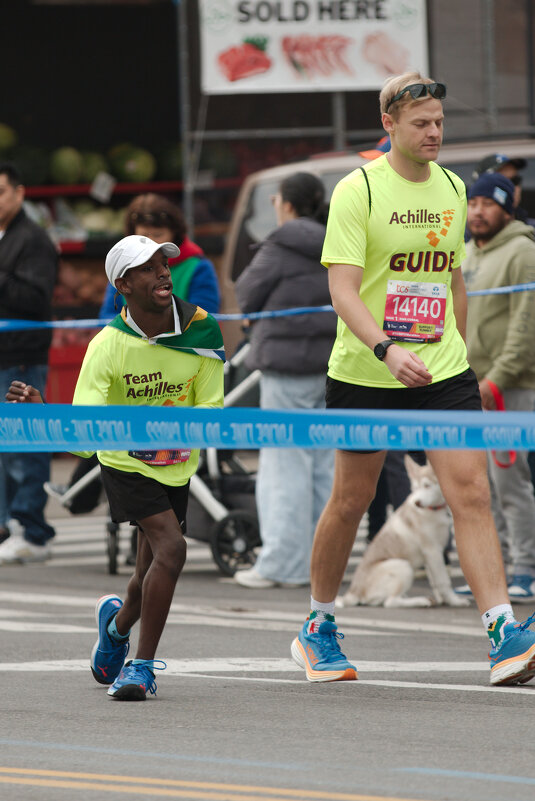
(415, 311)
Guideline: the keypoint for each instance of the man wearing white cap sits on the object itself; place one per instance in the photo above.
(159, 351)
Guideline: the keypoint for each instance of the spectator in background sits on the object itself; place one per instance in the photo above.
(292, 352)
(500, 336)
(383, 146)
(510, 168)
(194, 276)
(28, 269)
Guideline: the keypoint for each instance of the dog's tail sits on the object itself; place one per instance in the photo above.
(346, 600)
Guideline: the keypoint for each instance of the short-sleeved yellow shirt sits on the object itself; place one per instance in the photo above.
(123, 370)
(399, 231)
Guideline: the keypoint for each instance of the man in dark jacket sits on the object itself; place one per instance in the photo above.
(28, 268)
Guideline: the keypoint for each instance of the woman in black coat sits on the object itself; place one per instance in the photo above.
(292, 352)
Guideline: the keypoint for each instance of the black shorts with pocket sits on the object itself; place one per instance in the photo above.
(459, 393)
(132, 497)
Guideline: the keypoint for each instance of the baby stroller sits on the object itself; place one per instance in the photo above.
(222, 507)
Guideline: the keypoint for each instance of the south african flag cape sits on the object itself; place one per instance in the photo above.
(200, 335)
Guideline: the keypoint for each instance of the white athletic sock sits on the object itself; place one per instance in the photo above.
(319, 612)
(495, 619)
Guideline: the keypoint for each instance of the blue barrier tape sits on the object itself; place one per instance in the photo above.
(21, 325)
(60, 427)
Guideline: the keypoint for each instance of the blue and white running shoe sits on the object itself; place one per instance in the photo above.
(108, 655)
(136, 680)
(318, 652)
(521, 589)
(513, 660)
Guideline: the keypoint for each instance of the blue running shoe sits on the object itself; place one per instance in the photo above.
(108, 655)
(513, 660)
(136, 680)
(320, 655)
(521, 589)
(464, 590)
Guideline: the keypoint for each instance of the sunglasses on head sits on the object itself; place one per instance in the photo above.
(156, 218)
(417, 90)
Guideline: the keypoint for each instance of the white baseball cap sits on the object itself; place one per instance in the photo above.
(133, 251)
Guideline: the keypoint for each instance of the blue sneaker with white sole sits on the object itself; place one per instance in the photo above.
(108, 655)
(318, 652)
(136, 679)
(512, 661)
(521, 589)
(464, 590)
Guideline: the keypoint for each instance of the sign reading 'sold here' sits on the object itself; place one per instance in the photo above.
(251, 46)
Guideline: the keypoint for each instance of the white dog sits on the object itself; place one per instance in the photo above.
(414, 536)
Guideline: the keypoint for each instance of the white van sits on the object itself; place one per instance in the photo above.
(253, 217)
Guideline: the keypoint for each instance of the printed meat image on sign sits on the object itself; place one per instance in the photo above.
(387, 55)
(317, 55)
(244, 60)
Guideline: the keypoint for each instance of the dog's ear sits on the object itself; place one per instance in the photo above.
(413, 470)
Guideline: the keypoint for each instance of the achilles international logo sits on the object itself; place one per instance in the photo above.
(434, 237)
(423, 218)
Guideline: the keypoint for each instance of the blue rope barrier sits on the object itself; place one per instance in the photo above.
(21, 325)
(61, 427)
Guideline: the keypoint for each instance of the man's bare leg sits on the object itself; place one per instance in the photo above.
(355, 480)
(160, 558)
(463, 478)
(316, 647)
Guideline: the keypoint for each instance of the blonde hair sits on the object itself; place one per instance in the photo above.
(395, 85)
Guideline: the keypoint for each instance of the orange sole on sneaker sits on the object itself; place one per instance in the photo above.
(517, 670)
(299, 657)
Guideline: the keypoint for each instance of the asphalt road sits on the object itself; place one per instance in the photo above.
(233, 717)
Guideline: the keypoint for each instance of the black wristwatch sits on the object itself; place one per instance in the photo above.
(382, 347)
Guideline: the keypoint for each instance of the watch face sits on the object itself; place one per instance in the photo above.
(380, 351)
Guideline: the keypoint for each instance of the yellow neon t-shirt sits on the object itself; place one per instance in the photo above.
(119, 369)
(413, 232)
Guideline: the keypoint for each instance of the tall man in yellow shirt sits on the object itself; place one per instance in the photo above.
(394, 245)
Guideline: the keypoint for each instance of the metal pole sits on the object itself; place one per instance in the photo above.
(490, 61)
(185, 113)
(530, 31)
(339, 121)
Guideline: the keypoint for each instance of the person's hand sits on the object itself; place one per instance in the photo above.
(19, 392)
(407, 367)
(487, 398)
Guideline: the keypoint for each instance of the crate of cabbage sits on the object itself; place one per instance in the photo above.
(126, 162)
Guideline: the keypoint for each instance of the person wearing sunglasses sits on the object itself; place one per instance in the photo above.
(393, 248)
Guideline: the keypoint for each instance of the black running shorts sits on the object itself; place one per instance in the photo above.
(460, 393)
(132, 497)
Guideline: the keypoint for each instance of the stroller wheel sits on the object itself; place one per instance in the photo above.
(112, 542)
(233, 540)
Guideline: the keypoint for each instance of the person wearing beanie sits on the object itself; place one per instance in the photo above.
(499, 337)
(159, 351)
(510, 168)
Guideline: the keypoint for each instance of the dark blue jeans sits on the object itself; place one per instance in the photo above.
(22, 475)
